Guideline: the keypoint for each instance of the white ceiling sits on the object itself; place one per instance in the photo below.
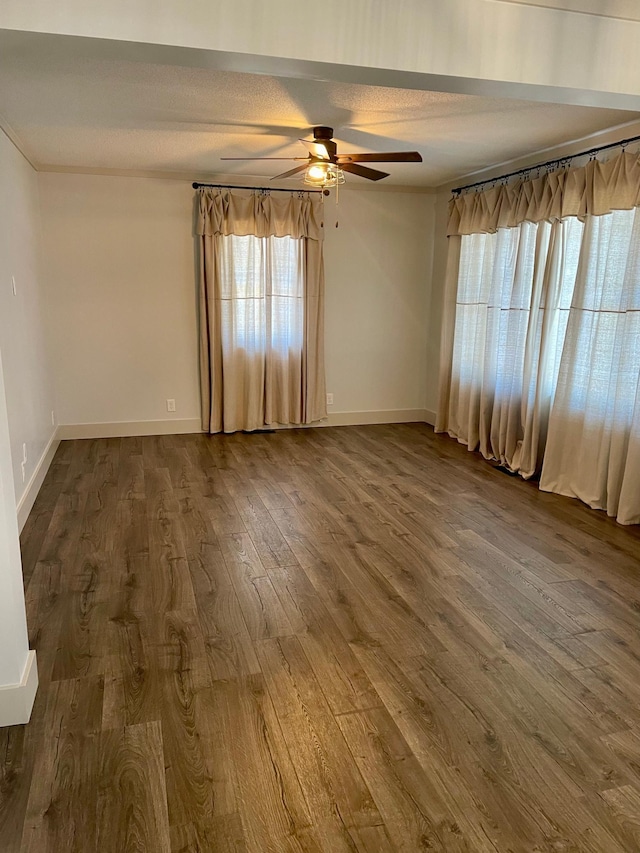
(84, 113)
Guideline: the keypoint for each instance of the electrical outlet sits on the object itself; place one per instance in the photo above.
(171, 405)
(13, 285)
(329, 399)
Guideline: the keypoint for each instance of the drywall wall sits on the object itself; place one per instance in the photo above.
(378, 273)
(18, 670)
(27, 375)
(491, 47)
(436, 304)
(122, 301)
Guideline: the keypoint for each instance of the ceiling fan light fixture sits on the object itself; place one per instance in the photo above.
(324, 175)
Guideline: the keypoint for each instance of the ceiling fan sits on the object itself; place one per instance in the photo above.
(325, 167)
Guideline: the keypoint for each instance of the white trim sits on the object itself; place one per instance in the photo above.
(121, 429)
(382, 416)
(16, 700)
(15, 140)
(26, 502)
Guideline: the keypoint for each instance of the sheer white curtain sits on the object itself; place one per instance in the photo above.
(513, 294)
(593, 449)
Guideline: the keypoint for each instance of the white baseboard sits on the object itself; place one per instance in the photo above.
(16, 700)
(121, 429)
(383, 416)
(26, 502)
(430, 417)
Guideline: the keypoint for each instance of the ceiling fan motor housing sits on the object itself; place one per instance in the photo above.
(324, 135)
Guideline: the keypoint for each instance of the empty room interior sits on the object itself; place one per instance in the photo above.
(320, 426)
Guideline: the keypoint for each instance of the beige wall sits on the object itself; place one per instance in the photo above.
(121, 301)
(119, 255)
(378, 273)
(26, 400)
(27, 373)
(436, 305)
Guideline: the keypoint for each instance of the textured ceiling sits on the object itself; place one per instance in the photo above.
(132, 116)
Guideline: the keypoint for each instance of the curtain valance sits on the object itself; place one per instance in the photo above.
(221, 211)
(594, 189)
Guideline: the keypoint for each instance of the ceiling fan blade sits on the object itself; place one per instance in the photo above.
(263, 158)
(363, 171)
(291, 172)
(382, 157)
(317, 149)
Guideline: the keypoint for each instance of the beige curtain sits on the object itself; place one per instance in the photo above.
(541, 344)
(261, 309)
(594, 189)
(447, 332)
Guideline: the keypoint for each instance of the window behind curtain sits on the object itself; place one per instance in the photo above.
(262, 295)
(501, 306)
(499, 315)
(600, 373)
(593, 447)
(514, 294)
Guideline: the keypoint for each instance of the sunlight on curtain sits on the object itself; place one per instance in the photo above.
(262, 328)
(263, 294)
(514, 291)
(593, 450)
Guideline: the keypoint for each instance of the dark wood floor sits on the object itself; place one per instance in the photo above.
(351, 639)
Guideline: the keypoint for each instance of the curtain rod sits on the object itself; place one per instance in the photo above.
(196, 185)
(559, 161)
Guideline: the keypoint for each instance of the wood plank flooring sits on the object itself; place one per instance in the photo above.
(356, 639)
